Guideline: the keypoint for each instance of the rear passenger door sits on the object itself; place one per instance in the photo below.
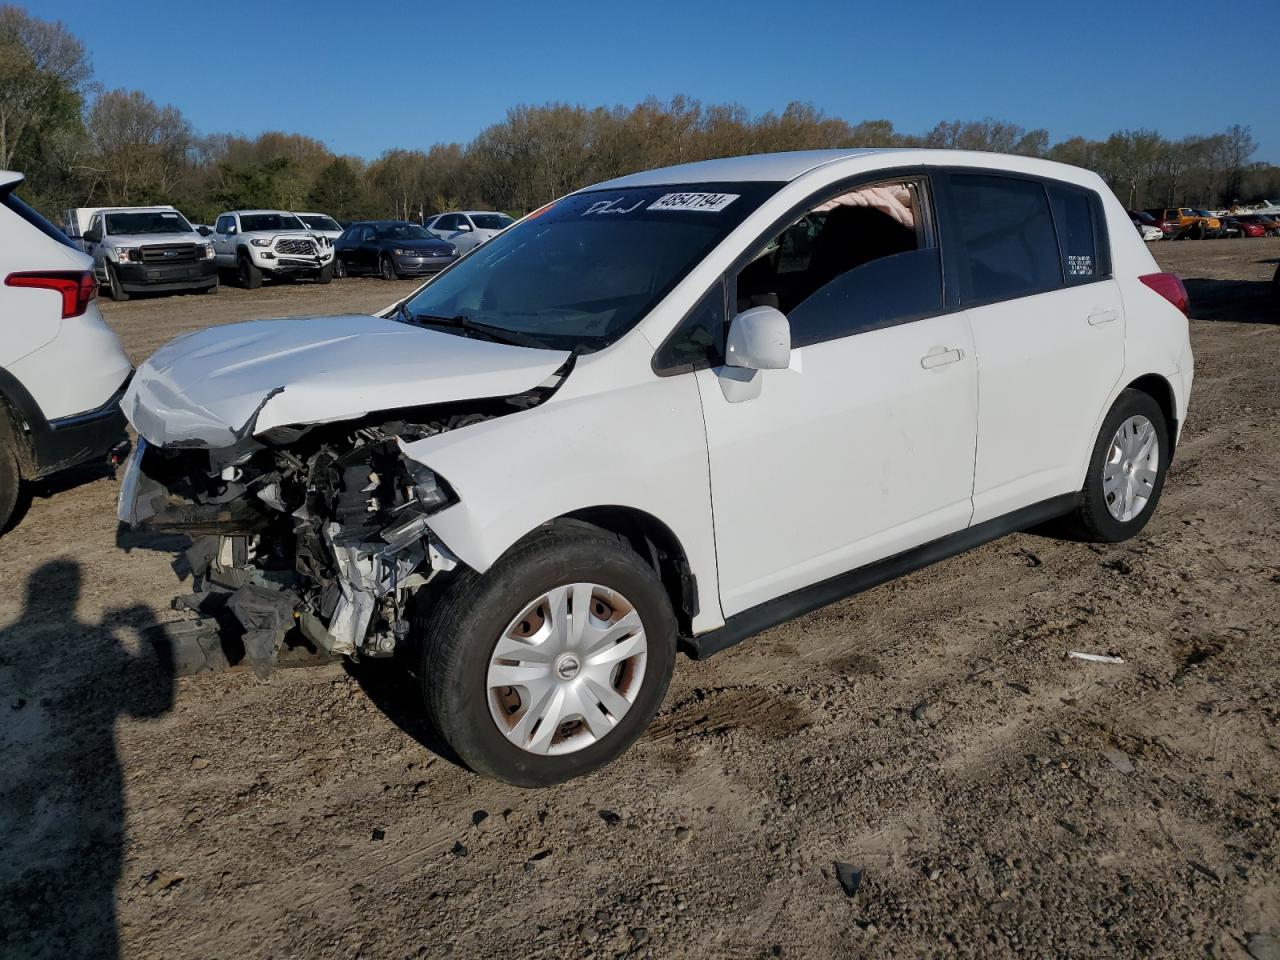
(1032, 263)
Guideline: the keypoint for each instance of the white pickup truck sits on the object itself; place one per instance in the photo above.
(258, 242)
(137, 249)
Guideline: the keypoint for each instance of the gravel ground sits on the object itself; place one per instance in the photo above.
(998, 798)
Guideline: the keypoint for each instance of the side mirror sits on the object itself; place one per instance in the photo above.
(204, 231)
(759, 339)
(92, 236)
(464, 227)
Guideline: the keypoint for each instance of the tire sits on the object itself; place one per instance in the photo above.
(339, 269)
(1197, 232)
(387, 269)
(1101, 516)
(10, 478)
(114, 290)
(461, 631)
(250, 276)
(212, 288)
(325, 275)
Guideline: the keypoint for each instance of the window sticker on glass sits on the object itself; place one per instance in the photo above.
(1080, 265)
(704, 202)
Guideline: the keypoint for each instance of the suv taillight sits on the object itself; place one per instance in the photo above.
(1170, 287)
(76, 287)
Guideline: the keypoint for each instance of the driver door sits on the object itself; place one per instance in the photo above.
(864, 446)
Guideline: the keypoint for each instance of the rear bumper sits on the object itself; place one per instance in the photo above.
(167, 276)
(82, 438)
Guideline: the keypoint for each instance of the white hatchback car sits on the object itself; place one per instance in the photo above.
(62, 370)
(673, 409)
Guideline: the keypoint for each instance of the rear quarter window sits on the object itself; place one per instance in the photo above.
(1076, 214)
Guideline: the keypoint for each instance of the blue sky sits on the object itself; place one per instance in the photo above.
(411, 74)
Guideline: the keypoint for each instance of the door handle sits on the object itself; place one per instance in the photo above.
(1103, 316)
(938, 357)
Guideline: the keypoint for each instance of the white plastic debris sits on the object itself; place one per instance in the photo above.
(1094, 657)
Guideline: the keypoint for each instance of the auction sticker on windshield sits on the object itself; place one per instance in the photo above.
(706, 202)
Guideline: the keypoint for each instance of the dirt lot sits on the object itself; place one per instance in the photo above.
(1000, 798)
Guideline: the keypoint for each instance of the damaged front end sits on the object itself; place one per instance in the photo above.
(322, 528)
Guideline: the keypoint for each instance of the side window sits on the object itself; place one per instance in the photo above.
(367, 234)
(95, 223)
(1004, 231)
(445, 223)
(349, 233)
(1073, 214)
(861, 260)
(224, 224)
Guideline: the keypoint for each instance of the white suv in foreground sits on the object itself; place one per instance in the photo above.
(62, 370)
(257, 242)
(673, 409)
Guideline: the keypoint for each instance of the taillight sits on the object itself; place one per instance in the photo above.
(1170, 287)
(76, 287)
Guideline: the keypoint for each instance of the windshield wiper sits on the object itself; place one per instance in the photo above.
(498, 334)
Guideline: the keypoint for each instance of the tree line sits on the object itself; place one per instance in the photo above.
(81, 145)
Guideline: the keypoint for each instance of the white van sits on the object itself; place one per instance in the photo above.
(676, 408)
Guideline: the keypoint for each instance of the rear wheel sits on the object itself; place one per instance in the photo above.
(114, 290)
(250, 276)
(552, 663)
(10, 479)
(1127, 470)
(387, 268)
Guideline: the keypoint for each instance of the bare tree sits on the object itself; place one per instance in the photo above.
(42, 64)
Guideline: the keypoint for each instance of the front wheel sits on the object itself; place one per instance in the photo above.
(339, 268)
(1127, 470)
(387, 269)
(250, 275)
(326, 274)
(114, 290)
(553, 662)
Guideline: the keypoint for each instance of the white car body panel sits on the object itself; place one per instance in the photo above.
(853, 453)
(330, 234)
(206, 387)
(613, 435)
(1043, 360)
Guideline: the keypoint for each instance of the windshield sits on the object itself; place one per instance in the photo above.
(320, 222)
(402, 231)
(270, 221)
(584, 270)
(491, 221)
(150, 221)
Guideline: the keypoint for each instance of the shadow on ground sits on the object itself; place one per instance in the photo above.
(63, 684)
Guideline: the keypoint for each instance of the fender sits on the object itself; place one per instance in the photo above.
(640, 445)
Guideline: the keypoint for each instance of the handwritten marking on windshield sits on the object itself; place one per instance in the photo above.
(611, 206)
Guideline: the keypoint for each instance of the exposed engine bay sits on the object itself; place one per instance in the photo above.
(321, 528)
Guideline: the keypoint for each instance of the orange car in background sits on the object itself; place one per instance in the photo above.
(1180, 222)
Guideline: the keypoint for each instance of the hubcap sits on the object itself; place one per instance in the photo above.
(1133, 463)
(565, 671)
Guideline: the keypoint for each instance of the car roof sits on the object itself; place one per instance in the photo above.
(785, 167)
(241, 213)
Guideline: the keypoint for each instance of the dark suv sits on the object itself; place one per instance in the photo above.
(391, 249)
